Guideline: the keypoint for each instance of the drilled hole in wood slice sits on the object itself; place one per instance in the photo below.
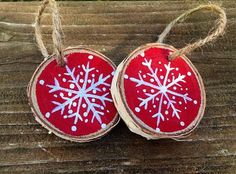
(163, 98)
(74, 101)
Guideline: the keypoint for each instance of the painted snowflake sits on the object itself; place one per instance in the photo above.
(81, 93)
(162, 90)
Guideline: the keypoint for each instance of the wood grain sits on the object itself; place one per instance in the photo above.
(115, 29)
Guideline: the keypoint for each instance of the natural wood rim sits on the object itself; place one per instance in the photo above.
(134, 123)
(39, 116)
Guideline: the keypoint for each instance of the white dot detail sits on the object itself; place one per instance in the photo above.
(182, 123)
(189, 73)
(41, 82)
(103, 125)
(195, 102)
(64, 79)
(126, 76)
(158, 130)
(90, 57)
(137, 109)
(84, 105)
(73, 128)
(47, 115)
(151, 80)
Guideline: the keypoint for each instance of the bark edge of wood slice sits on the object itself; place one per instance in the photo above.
(134, 123)
(42, 117)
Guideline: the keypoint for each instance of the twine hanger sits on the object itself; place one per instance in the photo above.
(56, 34)
(218, 29)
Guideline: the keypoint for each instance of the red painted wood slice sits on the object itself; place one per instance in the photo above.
(158, 98)
(74, 101)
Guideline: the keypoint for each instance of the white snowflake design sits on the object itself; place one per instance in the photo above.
(82, 93)
(163, 85)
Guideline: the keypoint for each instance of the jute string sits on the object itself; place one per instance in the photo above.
(56, 33)
(218, 29)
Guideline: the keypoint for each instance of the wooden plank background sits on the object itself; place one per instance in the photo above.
(115, 29)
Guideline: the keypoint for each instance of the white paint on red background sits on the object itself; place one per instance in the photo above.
(167, 95)
(76, 98)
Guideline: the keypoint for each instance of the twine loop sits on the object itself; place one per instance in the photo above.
(56, 34)
(218, 29)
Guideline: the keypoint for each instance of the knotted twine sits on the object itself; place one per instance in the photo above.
(56, 31)
(218, 29)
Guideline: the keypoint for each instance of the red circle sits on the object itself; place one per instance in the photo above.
(75, 101)
(165, 97)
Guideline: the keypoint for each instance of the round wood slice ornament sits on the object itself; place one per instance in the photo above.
(74, 101)
(158, 98)
(69, 93)
(158, 91)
